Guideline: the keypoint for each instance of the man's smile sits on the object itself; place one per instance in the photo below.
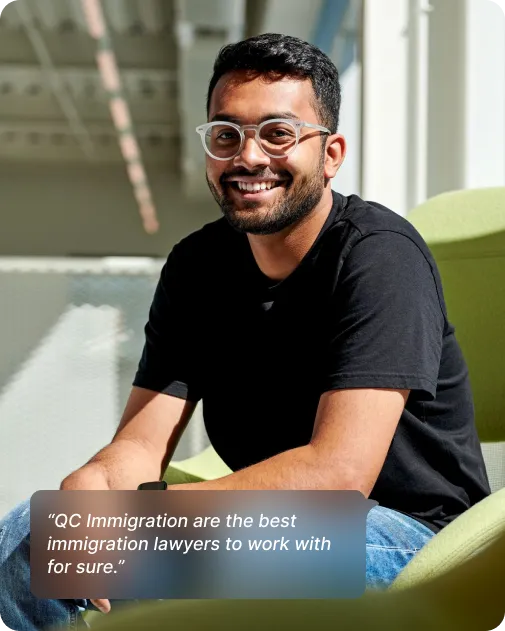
(254, 188)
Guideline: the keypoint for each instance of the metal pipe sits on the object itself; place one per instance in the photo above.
(120, 113)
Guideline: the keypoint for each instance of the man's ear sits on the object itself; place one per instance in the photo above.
(335, 152)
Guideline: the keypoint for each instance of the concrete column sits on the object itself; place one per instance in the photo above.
(346, 54)
(484, 163)
(417, 101)
(446, 135)
(385, 103)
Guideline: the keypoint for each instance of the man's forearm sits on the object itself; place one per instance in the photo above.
(122, 465)
(296, 469)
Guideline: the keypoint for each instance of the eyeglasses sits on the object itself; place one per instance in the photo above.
(277, 137)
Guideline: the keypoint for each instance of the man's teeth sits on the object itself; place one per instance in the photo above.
(256, 186)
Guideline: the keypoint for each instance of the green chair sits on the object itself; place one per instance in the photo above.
(465, 231)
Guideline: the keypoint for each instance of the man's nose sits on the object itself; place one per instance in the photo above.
(251, 155)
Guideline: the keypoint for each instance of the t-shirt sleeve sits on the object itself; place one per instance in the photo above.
(168, 363)
(386, 319)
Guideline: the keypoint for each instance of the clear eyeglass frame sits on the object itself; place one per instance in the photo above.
(296, 124)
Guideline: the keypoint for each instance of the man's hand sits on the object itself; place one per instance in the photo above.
(140, 450)
(89, 478)
(102, 604)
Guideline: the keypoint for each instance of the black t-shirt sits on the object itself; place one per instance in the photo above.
(364, 309)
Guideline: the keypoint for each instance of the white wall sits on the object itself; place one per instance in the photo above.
(484, 163)
(54, 210)
(467, 95)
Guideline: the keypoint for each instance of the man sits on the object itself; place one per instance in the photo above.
(311, 325)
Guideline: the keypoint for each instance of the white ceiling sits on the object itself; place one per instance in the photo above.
(53, 104)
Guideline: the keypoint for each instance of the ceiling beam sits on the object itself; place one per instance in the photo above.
(135, 52)
(151, 93)
(47, 127)
(68, 71)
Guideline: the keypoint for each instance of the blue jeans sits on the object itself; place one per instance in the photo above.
(392, 539)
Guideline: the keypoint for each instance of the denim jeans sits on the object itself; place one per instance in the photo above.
(392, 539)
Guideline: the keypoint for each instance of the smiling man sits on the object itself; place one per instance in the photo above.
(312, 326)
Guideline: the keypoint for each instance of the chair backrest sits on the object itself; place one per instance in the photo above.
(465, 231)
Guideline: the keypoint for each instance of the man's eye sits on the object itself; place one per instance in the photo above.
(278, 136)
(227, 135)
(278, 132)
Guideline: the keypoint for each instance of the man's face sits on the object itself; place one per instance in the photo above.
(299, 177)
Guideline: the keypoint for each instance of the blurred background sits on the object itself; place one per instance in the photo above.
(102, 172)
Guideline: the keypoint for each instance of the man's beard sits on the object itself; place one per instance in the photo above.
(297, 202)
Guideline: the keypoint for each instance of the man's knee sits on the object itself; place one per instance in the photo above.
(391, 529)
(14, 530)
(392, 541)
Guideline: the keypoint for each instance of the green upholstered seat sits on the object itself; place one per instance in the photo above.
(468, 535)
(468, 598)
(206, 465)
(465, 231)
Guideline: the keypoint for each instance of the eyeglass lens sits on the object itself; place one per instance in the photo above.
(276, 139)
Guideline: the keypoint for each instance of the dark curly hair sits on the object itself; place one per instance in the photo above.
(278, 56)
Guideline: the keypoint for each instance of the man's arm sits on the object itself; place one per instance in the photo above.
(142, 447)
(352, 434)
